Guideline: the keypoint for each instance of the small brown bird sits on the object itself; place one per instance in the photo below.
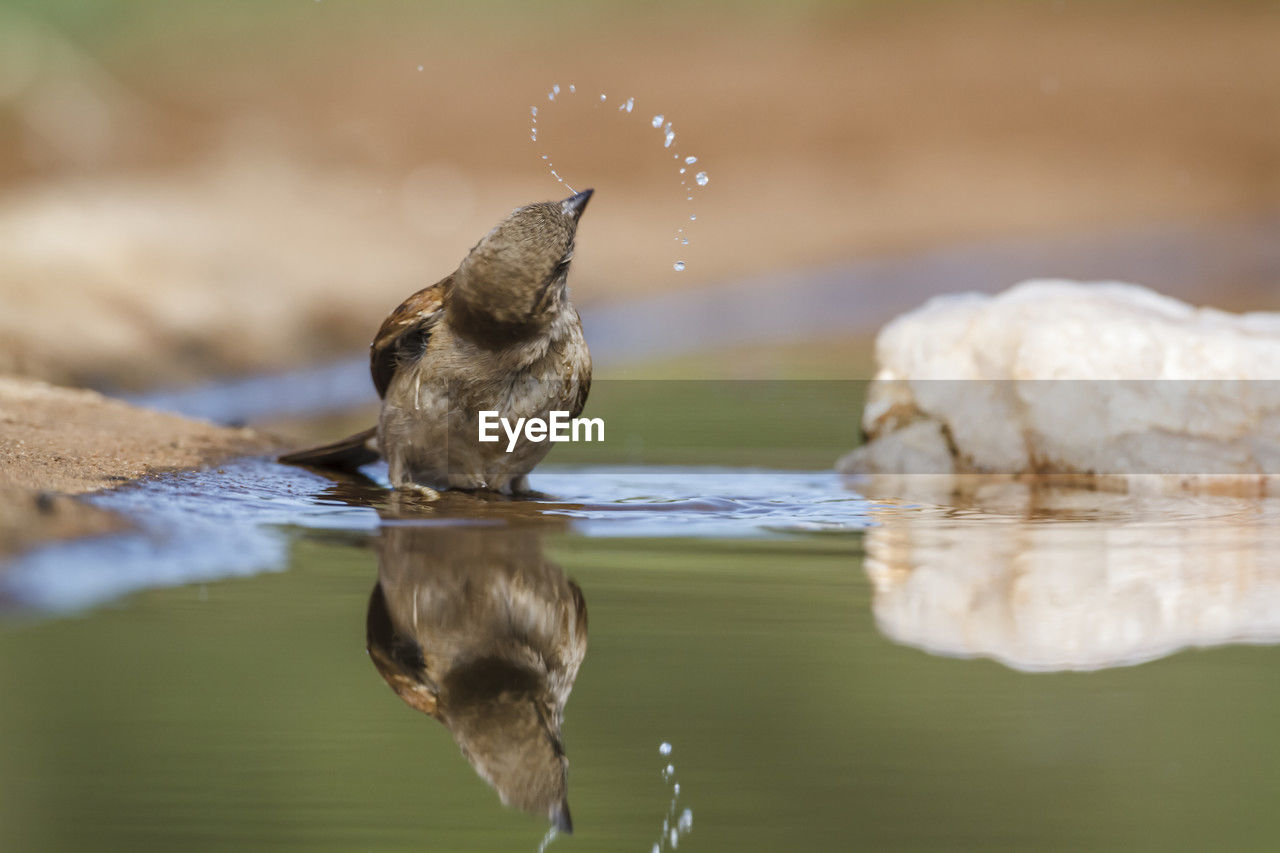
(475, 627)
(499, 334)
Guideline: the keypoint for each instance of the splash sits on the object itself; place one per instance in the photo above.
(674, 827)
(659, 122)
(533, 133)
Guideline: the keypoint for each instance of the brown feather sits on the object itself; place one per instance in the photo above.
(406, 331)
(584, 388)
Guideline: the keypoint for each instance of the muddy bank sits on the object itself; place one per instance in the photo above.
(57, 442)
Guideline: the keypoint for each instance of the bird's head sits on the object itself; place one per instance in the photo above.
(512, 283)
(506, 723)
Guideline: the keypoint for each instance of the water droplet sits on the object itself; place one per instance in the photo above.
(533, 137)
(533, 111)
(676, 789)
(679, 267)
(556, 175)
(691, 160)
(602, 97)
(684, 242)
(630, 104)
(572, 89)
(693, 217)
(682, 171)
(544, 156)
(419, 67)
(657, 121)
(664, 749)
(675, 839)
(686, 820)
(555, 89)
(671, 137)
(701, 178)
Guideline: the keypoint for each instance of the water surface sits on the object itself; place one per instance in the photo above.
(831, 672)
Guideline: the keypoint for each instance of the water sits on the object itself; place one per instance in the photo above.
(673, 828)
(822, 671)
(659, 122)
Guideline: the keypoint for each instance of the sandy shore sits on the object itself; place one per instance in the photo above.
(59, 442)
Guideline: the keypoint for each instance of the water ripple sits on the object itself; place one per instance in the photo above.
(235, 520)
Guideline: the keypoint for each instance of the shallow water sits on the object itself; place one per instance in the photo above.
(831, 672)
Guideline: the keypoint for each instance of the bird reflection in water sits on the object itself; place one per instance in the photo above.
(472, 625)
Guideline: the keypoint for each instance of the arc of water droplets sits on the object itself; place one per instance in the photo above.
(669, 137)
(673, 828)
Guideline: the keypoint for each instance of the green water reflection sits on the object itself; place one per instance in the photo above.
(247, 713)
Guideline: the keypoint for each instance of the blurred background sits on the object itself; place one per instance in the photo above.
(211, 189)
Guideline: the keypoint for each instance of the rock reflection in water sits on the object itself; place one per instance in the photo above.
(1075, 580)
(472, 625)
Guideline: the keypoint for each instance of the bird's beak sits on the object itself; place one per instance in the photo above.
(560, 817)
(575, 204)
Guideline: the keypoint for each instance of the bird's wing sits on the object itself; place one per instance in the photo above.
(583, 357)
(584, 388)
(404, 334)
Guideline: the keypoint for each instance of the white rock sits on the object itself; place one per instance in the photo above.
(1144, 384)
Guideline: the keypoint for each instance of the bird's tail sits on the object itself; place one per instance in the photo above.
(347, 454)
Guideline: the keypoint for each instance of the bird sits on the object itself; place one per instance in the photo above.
(477, 629)
(498, 334)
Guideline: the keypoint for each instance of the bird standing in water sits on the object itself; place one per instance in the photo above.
(498, 334)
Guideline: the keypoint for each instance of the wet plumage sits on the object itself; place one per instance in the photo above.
(498, 334)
